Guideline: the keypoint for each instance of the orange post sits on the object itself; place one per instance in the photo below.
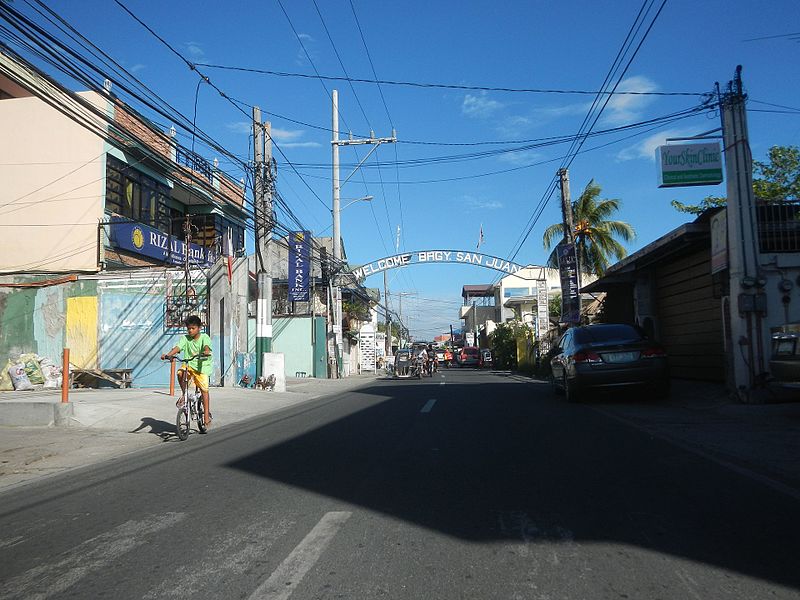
(65, 376)
(172, 378)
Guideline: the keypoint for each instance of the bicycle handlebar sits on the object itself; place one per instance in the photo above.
(186, 359)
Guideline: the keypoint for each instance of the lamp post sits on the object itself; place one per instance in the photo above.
(337, 186)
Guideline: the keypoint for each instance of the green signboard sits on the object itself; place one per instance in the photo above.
(689, 164)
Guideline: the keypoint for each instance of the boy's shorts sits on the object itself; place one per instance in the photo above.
(197, 377)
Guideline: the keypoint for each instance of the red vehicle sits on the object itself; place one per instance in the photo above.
(470, 357)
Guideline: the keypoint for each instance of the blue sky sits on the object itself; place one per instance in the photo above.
(532, 44)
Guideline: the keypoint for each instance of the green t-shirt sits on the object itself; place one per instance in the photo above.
(190, 347)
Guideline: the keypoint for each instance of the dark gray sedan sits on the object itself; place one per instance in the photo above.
(608, 356)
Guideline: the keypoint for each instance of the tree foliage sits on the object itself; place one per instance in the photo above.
(595, 232)
(504, 342)
(777, 180)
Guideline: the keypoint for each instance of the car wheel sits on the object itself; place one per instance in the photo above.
(558, 389)
(570, 391)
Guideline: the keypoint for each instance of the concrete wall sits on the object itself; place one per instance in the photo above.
(115, 321)
(228, 319)
(53, 189)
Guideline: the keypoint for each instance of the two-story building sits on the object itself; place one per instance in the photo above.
(112, 232)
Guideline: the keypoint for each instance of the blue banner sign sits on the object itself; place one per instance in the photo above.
(568, 272)
(299, 265)
(147, 241)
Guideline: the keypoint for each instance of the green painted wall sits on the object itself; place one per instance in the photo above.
(292, 336)
(320, 347)
(17, 310)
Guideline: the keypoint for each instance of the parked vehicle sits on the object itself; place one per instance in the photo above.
(470, 357)
(608, 356)
(486, 361)
(784, 364)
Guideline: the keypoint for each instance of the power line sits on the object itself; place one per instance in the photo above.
(193, 67)
(480, 88)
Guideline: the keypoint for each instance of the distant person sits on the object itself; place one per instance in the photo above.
(196, 344)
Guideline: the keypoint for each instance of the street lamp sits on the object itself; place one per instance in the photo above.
(354, 200)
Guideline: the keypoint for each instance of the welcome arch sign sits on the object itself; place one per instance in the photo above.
(461, 257)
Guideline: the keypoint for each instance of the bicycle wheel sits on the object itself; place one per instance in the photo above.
(182, 424)
(201, 417)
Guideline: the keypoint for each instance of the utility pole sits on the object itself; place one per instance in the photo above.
(335, 207)
(263, 302)
(570, 286)
(747, 298)
(269, 186)
(187, 239)
(337, 236)
(475, 323)
(388, 343)
(400, 315)
(566, 207)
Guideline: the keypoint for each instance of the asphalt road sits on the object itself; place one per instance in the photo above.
(467, 485)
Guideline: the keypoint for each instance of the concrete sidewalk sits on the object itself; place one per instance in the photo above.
(40, 436)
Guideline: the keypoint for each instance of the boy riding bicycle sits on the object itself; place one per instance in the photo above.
(197, 344)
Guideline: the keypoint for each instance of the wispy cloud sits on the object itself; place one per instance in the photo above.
(286, 135)
(301, 145)
(516, 126)
(626, 108)
(195, 50)
(479, 106)
(137, 67)
(307, 42)
(287, 138)
(523, 157)
(290, 138)
(472, 203)
(647, 147)
(243, 127)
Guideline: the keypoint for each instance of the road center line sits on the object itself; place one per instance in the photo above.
(428, 405)
(291, 571)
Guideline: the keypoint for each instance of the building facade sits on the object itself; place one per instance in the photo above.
(112, 232)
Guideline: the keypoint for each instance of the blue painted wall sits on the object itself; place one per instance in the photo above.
(131, 335)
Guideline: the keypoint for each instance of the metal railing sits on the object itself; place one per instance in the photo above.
(778, 226)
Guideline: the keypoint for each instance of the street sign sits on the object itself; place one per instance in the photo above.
(568, 271)
(299, 265)
(681, 165)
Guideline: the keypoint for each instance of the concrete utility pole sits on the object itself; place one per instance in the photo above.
(475, 322)
(400, 315)
(335, 206)
(566, 207)
(569, 238)
(747, 298)
(388, 343)
(269, 186)
(263, 231)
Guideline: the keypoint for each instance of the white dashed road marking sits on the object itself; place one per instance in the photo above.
(291, 571)
(428, 405)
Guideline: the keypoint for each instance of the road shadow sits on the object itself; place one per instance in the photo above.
(166, 431)
(509, 461)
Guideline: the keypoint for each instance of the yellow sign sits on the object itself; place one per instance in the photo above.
(137, 237)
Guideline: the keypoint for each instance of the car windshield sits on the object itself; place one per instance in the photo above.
(606, 333)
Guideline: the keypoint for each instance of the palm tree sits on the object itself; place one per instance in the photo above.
(594, 233)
